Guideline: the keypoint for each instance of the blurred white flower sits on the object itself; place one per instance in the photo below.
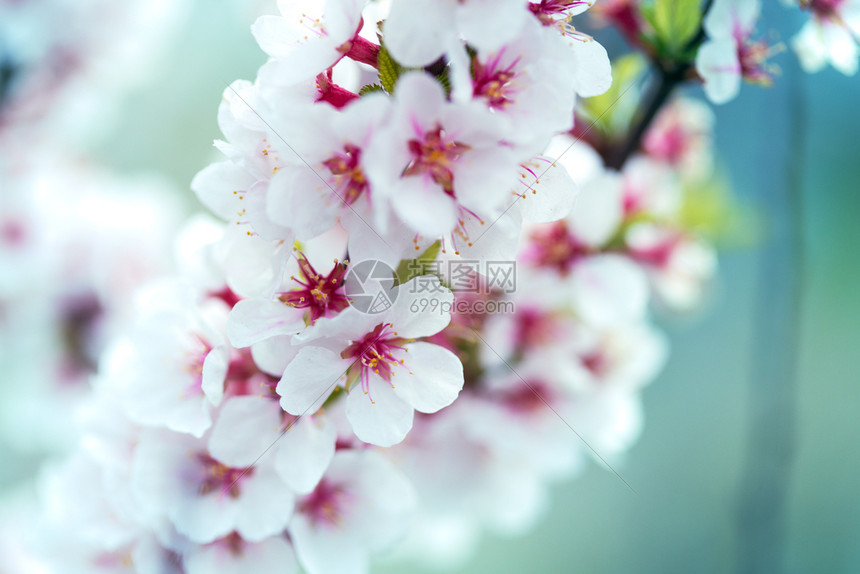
(831, 36)
(730, 54)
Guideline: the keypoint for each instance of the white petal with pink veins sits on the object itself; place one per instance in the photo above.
(728, 18)
(717, 62)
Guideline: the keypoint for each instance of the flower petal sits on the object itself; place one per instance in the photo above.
(309, 379)
(305, 451)
(253, 320)
(378, 417)
(434, 380)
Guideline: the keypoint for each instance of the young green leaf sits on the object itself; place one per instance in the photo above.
(389, 70)
(370, 88)
(421, 265)
(676, 22)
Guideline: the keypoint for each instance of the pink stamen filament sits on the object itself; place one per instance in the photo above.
(496, 85)
(555, 246)
(220, 477)
(348, 174)
(325, 505)
(321, 295)
(375, 355)
(433, 152)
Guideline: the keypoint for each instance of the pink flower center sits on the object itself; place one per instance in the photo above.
(220, 477)
(596, 362)
(753, 59)
(555, 13)
(226, 295)
(375, 354)
(549, 8)
(325, 505)
(668, 144)
(659, 254)
(245, 378)
(433, 154)
(322, 296)
(196, 357)
(13, 233)
(826, 9)
(349, 178)
(556, 247)
(232, 543)
(528, 399)
(493, 84)
(534, 328)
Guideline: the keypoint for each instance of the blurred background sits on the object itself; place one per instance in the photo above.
(726, 398)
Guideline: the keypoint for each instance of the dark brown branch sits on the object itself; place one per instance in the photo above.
(669, 76)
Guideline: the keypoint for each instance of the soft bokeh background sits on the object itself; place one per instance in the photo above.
(688, 468)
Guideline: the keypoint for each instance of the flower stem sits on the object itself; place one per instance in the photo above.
(669, 76)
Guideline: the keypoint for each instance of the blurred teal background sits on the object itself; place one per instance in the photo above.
(687, 468)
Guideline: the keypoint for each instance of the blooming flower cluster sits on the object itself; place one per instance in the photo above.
(63, 64)
(831, 36)
(71, 262)
(576, 353)
(256, 416)
(75, 239)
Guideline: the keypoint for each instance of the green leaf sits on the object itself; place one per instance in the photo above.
(389, 70)
(370, 88)
(445, 81)
(676, 22)
(711, 210)
(421, 265)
